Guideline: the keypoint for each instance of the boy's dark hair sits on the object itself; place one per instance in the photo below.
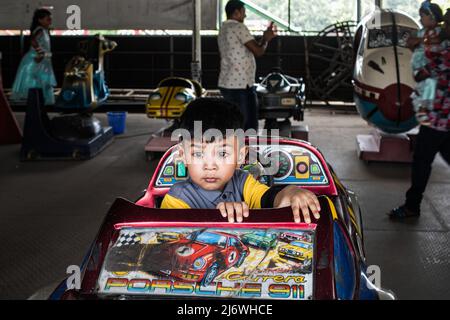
(432, 9)
(232, 6)
(214, 113)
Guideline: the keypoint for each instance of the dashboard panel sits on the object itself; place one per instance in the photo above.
(287, 164)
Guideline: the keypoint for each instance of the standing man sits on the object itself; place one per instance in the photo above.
(238, 49)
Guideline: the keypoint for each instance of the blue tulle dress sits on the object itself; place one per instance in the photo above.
(32, 74)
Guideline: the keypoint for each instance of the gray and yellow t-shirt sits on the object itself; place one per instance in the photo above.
(242, 187)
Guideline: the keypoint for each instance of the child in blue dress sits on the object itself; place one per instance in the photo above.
(35, 69)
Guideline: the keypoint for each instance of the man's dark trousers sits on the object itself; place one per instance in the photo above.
(247, 102)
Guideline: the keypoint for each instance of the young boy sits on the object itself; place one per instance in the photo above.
(215, 180)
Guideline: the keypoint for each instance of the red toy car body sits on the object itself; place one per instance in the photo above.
(200, 256)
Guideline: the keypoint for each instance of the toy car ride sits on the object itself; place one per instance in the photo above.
(383, 83)
(281, 97)
(169, 101)
(267, 256)
(171, 97)
(75, 133)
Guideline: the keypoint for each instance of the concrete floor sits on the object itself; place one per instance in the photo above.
(51, 211)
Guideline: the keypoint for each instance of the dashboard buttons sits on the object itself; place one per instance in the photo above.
(302, 167)
(315, 169)
(168, 171)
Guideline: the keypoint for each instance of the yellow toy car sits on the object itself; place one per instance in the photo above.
(171, 97)
(168, 236)
(298, 250)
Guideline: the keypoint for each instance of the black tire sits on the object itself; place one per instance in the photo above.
(298, 112)
(210, 274)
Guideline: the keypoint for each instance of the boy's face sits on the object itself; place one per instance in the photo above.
(211, 165)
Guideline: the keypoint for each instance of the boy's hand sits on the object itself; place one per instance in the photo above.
(227, 209)
(298, 199)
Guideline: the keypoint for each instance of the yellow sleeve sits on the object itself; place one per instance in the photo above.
(253, 192)
(170, 202)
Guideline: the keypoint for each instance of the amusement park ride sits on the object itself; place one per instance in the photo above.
(373, 61)
(75, 133)
(383, 83)
(169, 101)
(280, 97)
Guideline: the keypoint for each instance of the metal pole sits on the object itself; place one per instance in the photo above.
(196, 64)
(172, 65)
(219, 14)
(289, 15)
(279, 52)
(358, 10)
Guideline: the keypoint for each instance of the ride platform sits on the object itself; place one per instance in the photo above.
(384, 147)
(158, 143)
(300, 132)
(40, 143)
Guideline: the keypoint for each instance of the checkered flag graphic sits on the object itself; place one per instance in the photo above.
(128, 239)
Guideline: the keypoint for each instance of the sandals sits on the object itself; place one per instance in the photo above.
(402, 212)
